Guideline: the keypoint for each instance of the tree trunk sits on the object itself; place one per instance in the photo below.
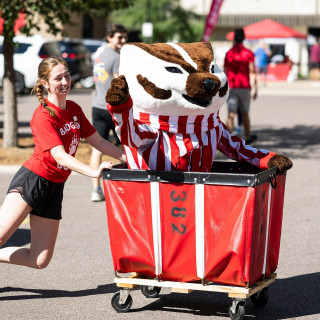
(10, 124)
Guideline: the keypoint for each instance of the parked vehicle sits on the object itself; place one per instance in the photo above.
(94, 46)
(78, 58)
(28, 53)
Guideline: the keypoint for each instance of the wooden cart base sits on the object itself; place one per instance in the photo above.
(258, 292)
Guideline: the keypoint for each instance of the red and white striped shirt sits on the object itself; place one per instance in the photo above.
(179, 143)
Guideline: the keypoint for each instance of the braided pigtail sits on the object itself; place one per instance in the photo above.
(38, 90)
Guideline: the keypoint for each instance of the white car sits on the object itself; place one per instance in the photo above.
(28, 53)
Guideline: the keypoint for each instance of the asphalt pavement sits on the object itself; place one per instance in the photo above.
(78, 283)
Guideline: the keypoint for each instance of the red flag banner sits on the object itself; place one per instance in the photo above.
(20, 22)
(211, 19)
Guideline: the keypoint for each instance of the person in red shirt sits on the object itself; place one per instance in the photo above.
(315, 60)
(240, 70)
(37, 188)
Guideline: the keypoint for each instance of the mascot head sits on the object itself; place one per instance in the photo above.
(173, 78)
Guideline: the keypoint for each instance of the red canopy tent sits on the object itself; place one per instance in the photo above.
(272, 31)
(268, 29)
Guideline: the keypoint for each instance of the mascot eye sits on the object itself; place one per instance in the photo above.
(212, 68)
(173, 69)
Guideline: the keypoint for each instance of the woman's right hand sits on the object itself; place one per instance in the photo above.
(103, 165)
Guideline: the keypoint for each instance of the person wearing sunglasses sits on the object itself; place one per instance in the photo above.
(105, 69)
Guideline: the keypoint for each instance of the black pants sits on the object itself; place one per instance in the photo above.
(103, 123)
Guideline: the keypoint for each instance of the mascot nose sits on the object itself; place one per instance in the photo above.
(209, 85)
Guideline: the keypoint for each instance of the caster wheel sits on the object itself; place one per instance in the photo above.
(121, 308)
(150, 292)
(260, 298)
(237, 311)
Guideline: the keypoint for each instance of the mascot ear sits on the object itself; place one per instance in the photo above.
(282, 162)
(118, 93)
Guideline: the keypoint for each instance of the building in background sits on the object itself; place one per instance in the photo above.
(303, 16)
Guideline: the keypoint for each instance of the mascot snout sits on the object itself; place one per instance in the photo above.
(202, 85)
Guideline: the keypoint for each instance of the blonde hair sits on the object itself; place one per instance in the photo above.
(44, 69)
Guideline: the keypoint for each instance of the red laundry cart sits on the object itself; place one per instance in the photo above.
(217, 231)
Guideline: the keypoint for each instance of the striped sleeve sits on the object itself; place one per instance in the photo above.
(129, 131)
(236, 149)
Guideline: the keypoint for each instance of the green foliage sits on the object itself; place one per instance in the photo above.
(55, 13)
(170, 21)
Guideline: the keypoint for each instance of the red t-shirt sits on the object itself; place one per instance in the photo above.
(315, 54)
(236, 64)
(66, 128)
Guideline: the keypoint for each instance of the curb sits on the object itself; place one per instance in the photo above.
(9, 168)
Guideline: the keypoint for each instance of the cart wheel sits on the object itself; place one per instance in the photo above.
(150, 291)
(237, 310)
(121, 308)
(260, 298)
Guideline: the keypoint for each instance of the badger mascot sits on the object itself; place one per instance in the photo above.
(165, 105)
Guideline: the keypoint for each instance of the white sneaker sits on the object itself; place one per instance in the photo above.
(238, 131)
(97, 195)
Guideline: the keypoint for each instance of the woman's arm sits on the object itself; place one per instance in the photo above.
(106, 147)
(66, 160)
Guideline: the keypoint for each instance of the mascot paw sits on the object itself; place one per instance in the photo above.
(118, 92)
(282, 162)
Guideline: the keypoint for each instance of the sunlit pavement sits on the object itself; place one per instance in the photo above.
(78, 284)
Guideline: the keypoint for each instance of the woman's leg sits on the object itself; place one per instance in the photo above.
(43, 237)
(12, 213)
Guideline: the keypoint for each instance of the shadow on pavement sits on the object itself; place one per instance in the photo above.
(296, 296)
(21, 124)
(20, 238)
(299, 142)
(47, 294)
(288, 298)
(295, 137)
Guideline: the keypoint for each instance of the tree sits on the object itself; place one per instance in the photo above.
(170, 21)
(56, 14)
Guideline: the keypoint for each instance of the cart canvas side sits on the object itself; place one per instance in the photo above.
(223, 226)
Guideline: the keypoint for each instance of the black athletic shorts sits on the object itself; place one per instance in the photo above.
(315, 65)
(103, 123)
(43, 196)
